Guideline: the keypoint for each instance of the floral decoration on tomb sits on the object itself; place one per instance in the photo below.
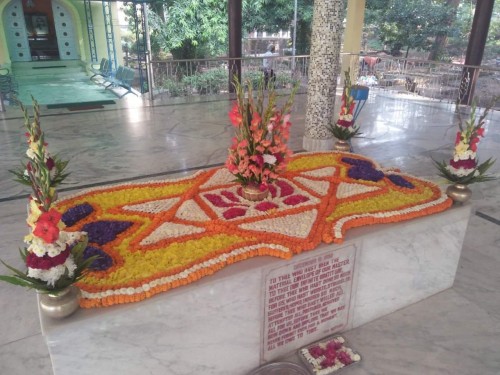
(259, 151)
(155, 236)
(346, 127)
(464, 167)
(328, 356)
(54, 258)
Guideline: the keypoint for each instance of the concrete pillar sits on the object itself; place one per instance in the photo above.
(324, 68)
(353, 35)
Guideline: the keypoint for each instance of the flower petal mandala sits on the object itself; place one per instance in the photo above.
(154, 248)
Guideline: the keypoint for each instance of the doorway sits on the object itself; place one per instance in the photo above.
(39, 30)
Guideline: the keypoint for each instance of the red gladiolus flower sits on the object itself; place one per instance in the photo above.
(258, 159)
(480, 132)
(256, 119)
(52, 215)
(235, 116)
(46, 230)
(50, 164)
(458, 138)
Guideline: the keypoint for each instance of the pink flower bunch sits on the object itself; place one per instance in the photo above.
(259, 150)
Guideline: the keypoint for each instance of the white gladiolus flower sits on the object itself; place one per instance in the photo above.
(269, 159)
(30, 153)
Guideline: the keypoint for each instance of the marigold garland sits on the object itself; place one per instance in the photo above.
(174, 232)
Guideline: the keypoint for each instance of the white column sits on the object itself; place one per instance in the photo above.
(323, 72)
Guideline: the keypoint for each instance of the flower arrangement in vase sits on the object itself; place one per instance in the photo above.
(464, 168)
(259, 149)
(54, 258)
(345, 127)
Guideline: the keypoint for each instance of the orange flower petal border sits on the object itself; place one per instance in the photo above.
(159, 235)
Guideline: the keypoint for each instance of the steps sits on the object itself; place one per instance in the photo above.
(48, 69)
(55, 82)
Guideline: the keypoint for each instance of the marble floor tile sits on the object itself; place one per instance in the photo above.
(26, 356)
(444, 334)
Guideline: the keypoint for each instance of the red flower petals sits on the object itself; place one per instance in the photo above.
(217, 201)
(46, 230)
(285, 187)
(230, 196)
(316, 351)
(266, 206)
(466, 164)
(46, 262)
(295, 199)
(234, 213)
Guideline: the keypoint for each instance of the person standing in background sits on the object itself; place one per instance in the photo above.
(268, 66)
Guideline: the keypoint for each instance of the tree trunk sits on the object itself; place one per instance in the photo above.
(158, 9)
(439, 45)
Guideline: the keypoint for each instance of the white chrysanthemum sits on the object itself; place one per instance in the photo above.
(464, 155)
(269, 159)
(347, 117)
(51, 249)
(52, 275)
(39, 247)
(70, 238)
(70, 265)
(459, 172)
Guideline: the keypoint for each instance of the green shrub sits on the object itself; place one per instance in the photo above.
(206, 83)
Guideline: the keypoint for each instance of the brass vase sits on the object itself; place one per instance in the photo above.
(61, 304)
(459, 192)
(341, 145)
(253, 193)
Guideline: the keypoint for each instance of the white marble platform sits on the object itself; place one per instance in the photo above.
(214, 326)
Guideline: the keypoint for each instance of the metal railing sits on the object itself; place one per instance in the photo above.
(176, 78)
(429, 79)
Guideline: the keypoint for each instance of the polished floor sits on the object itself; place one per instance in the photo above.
(454, 332)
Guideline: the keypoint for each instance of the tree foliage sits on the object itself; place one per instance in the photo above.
(412, 24)
(191, 28)
(275, 15)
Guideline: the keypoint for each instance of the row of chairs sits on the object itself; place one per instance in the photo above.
(122, 77)
(8, 87)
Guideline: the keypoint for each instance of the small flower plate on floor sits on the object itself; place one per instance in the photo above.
(328, 356)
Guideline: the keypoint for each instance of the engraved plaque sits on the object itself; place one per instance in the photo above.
(306, 299)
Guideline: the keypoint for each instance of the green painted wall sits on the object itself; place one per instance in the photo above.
(77, 10)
